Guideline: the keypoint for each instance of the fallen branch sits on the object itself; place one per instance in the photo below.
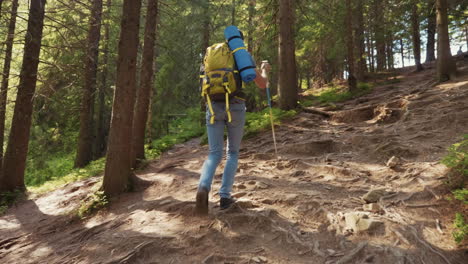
(317, 112)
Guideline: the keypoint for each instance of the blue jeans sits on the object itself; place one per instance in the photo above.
(235, 131)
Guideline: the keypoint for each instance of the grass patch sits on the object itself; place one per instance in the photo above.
(92, 203)
(335, 94)
(457, 161)
(259, 121)
(7, 199)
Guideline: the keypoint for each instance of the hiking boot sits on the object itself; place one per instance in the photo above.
(225, 203)
(201, 204)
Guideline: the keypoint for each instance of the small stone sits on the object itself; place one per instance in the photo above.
(256, 260)
(393, 162)
(373, 196)
(239, 194)
(262, 185)
(291, 197)
(372, 207)
(263, 259)
(267, 201)
(241, 186)
(360, 222)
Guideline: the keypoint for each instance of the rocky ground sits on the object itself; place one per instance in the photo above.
(359, 185)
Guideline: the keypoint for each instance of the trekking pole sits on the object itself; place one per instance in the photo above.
(265, 75)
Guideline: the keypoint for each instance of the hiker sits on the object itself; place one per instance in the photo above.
(226, 110)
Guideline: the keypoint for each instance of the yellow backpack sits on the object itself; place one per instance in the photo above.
(219, 81)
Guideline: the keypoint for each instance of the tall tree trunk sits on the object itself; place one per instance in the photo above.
(1, 2)
(250, 44)
(379, 6)
(416, 36)
(6, 75)
(102, 124)
(446, 68)
(431, 30)
(15, 157)
(205, 45)
(85, 138)
(402, 51)
(352, 83)
(360, 42)
(286, 55)
(389, 46)
(118, 162)
(146, 84)
(370, 52)
(233, 15)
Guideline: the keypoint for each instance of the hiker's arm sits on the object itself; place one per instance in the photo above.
(262, 76)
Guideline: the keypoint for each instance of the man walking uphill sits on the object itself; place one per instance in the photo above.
(222, 88)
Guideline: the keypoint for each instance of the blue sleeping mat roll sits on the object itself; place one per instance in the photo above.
(244, 61)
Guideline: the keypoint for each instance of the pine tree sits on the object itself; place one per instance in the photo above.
(446, 67)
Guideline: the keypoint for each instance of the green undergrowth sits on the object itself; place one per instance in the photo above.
(7, 199)
(259, 121)
(94, 202)
(336, 94)
(457, 161)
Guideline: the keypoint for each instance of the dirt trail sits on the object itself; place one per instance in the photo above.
(306, 207)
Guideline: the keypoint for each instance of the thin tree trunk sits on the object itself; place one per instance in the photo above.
(233, 15)
(352, 83)
(251, 26)
(146, 84)
(102, 124)
(6, 75)
(402, 51)
(431, 30)
(379, 31)
(389, 46)
(286, 55)
(205, 45)
(370, 52)
(15, 157)
(360, 42)
(416, 36)
(85, 138)
(118, 162)
(446, 68)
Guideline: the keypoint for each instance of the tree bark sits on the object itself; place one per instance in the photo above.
(250, 44)
(379, 32)
(102, 123)
(286, 55)
(360, 42)
(118, 161)
(6, 75)
(205, 45)
(431, 30)
(233, 15)
(416, 36)
(146, 84)
(389, 46)
(15, 157)
(84, 153)
(446, 68)
(402, 51)
(352, 83)
(370, 52)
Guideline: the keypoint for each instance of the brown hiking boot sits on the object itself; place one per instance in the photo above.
(201, 204)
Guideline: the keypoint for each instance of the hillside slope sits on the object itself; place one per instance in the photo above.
(305, 207)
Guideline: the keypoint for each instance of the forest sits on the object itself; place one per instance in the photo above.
(102, 118)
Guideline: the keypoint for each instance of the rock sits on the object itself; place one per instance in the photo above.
(259, 259)
(290, 198)
(262, 185)
(393, 162)
(244, 203)
(373, 196)
(267, 201)
(241, 186)
(372, 207)
(360, 222)
(239, 194)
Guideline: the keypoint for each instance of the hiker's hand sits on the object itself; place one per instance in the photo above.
(260, 81)
(265, 67)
